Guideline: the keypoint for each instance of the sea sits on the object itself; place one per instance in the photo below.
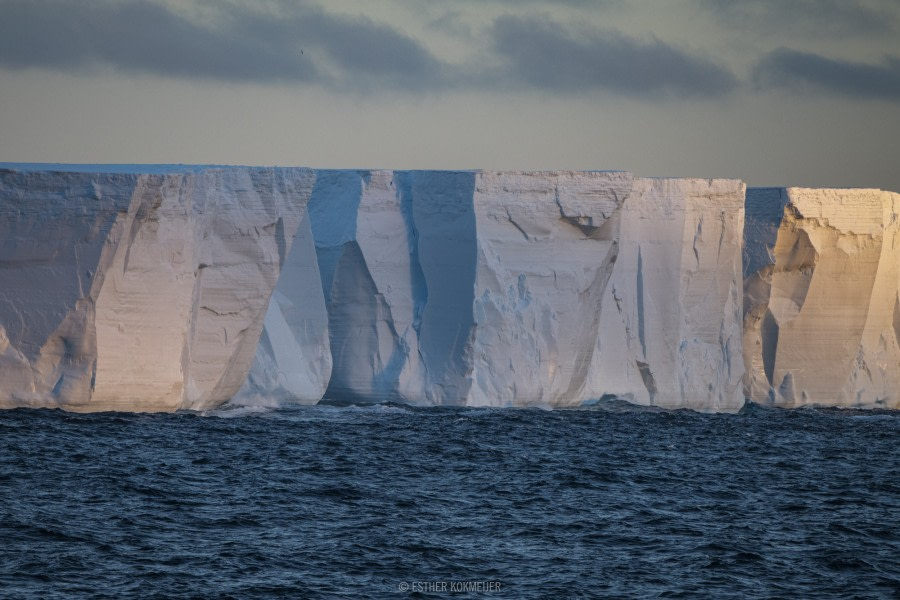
(392, 501)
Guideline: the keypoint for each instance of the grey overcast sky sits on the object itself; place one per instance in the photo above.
(775, 92)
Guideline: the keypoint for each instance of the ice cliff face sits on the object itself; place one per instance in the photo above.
(143, 292)
(605, 284)
(670, 324)
(546, 288)
(821, 303)
(547, 247)
(160, 288)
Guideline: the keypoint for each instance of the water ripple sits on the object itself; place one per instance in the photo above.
(352, 502)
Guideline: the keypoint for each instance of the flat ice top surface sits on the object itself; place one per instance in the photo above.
(111, 168)
(136, 169)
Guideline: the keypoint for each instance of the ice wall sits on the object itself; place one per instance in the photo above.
(142, 291)
(167, 287)
(670, 331)
(540, 288)
(821, 303)
(547, 244)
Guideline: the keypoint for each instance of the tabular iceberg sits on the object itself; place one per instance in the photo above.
(821, 303)
(163, 288)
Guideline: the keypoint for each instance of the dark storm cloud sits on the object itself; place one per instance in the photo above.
(136, 36)
(547, 56)
(299, 44)
(790, 69)
(843, 17)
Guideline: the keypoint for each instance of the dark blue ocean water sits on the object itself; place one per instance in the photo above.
(379, 502)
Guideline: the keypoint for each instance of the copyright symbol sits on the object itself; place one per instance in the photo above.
(404, 587)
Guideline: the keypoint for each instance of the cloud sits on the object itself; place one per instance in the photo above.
(136, 36)
(545, 55)
(828, 17)
(363, 52)
(452, 23)
(791, 69)
(297, 43)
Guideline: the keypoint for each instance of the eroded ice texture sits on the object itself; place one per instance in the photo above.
(547, 245)
(293, 359)
(166, 287)
(141, 291)
(822, 314)
(541, 288)
(670, 330)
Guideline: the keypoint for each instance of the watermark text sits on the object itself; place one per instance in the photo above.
(451, 587)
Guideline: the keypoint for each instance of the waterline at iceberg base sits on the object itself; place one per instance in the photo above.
(158, 288)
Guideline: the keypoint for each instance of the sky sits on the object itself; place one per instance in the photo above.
(774, 92)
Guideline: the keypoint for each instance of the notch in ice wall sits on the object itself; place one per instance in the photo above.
(293, 359)
(363, 243)
(445, 235)
(139, 290)
(822, 314)
(396, 253)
